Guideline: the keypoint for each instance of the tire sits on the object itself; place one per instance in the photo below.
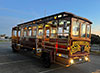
(14, 48)
(46, 60)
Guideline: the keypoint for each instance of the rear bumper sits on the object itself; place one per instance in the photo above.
(79, 60)
(71, 60)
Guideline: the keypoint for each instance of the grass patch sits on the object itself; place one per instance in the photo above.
(4, 40)
(96, 52)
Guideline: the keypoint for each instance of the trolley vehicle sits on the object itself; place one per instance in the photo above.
(62, 38)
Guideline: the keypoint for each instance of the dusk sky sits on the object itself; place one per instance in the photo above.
(13, 12)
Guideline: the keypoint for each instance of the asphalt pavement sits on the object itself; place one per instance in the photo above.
(25, 62)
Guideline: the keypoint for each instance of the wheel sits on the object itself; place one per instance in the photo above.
(46, 60)
(15, 48)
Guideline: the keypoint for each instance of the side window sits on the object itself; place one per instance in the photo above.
(40, 32)
(47, 33)
(83, 28)
(22, 32)
(63, 29)
(60, 32)
(25, 33)
(88, 31)
(53, 32)
(75, 29)
(30, 31)
(19, 33)
(62, 22)
(34, 31)
(66, 31)
(53, 26)
(15, 32)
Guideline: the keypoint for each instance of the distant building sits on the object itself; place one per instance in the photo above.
(2, 36)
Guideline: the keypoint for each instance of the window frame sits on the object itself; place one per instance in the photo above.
(85, 29)
(72, 27)
(89, 30)
(81, 21)
(63, 26)
(24, 33)
(15, 33)
(19, 33)
(55, 34)
(34, 28)
(39, 28)
(29, 31)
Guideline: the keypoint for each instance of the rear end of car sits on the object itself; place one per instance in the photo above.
(80, 41)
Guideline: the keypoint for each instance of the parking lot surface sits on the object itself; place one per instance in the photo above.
(25, 62)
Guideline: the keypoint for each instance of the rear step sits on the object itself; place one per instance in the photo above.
(64, 65)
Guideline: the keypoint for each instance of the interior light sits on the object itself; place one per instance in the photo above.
(30, 28)
(59, 16)
(55, 17)
(47, 25)
(33, 22)
(40, 26)
(33, 48)
(25, 28)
